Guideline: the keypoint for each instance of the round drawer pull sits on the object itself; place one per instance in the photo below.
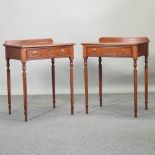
(94, 50)
(61, 52)
(123, 51)
(34, 53)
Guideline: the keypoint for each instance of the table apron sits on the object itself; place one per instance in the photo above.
(109, 52)
(44, 53)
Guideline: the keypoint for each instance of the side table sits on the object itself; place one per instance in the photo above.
(117, 47)
(36, 49)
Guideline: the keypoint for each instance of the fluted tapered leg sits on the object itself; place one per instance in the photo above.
(8, 85)
(71, 86)
(53, 82)
(86, 83)
(24, 89)
(135, 88)
(146, 82)
(100, 80)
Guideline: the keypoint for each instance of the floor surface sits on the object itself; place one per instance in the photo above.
(107, 130)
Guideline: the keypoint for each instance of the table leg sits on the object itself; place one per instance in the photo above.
(71, 86)
(8, 85)
(135, 88)
(24, 89)
(146, 82)
(100, 80)
(86, 83)
(53, 82)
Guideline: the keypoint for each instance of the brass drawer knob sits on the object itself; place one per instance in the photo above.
(34, 53)
(61, 52)
(94, 50)
(123, 51)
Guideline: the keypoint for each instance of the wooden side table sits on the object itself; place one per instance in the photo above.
(117, 47)
(25, 50)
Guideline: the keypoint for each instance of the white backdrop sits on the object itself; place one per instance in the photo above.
(76, 21)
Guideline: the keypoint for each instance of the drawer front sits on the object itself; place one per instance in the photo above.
(41, 53)
(110, 52)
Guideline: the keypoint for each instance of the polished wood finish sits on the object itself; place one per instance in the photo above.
(109, 52)
(135, 56)
(34, 43)
(24, 89)
(34, 49)
(131, 47)
(45, 53)
(71, 86)
(86, 83)
(124, 40)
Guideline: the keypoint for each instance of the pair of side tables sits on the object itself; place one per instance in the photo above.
(25, 50)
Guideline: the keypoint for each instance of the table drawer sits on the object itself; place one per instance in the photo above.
(40, 53)
(110, 51)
